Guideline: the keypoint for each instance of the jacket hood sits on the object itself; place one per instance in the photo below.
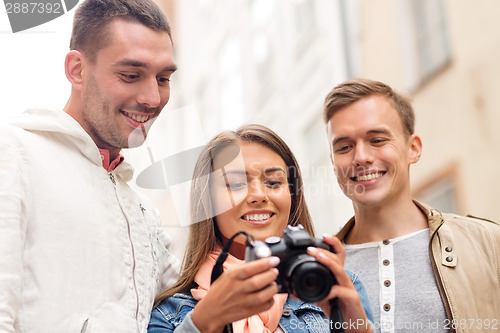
(56, 121)
(63, 125)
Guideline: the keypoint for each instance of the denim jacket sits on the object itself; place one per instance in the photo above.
(174, 313)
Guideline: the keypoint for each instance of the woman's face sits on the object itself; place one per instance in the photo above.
(251, 193)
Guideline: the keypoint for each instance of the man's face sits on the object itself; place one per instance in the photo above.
(127, 86)
(371, 152)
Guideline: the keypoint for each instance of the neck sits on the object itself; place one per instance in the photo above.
(237, 249)
(386, 221)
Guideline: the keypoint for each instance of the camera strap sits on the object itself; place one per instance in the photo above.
(336, 317)
(219, 269)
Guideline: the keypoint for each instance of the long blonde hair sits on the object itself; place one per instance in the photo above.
(204, 235)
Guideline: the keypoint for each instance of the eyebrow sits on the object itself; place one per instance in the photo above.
(233, 172)
(380, 131)
(372, 131)
(137, 63)
(243, 172)
(274, 169)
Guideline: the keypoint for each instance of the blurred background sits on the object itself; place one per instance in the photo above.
(273, 61)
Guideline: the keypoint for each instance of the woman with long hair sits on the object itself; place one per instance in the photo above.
(249, 180)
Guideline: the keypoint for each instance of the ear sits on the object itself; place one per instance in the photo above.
(73, 66)
(415, 148)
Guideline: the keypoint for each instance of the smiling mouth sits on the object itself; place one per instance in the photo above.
(139, 119)
(257, 217)
(365, 178)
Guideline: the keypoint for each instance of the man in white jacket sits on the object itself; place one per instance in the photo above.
(80, 250)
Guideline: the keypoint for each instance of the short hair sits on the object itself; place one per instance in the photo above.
(92, 18)
(203, 231)
(353, 90)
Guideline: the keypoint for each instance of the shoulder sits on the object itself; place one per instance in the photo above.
(299, 316)
(12, 152)
(470, 223)
(297, 306)
(10, 136)
(174, 309)
(464, 229)
(475, 219)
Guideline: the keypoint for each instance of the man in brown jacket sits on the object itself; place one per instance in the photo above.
(424, 270)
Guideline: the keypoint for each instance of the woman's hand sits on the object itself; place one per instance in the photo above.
(344, 290)
(238, 293)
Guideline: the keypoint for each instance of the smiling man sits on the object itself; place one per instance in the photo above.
(424, 270)
(81, 251)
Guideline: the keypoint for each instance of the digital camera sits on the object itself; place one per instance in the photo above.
(299, 273)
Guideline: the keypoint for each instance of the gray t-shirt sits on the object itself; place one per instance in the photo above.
(398, 277)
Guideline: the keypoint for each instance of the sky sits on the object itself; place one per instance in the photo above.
(32, 65)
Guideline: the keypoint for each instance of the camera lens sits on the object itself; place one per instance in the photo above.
(309, 280)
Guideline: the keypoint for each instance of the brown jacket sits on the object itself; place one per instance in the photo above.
(465, 256)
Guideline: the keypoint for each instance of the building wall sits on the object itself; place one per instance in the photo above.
(268, 62)
(456, 108)
(273, 62)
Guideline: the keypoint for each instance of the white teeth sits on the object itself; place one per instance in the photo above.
(139, 119)
(256, 217)
(371, 176)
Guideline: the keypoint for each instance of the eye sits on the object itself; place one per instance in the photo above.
(129, 77)
(274, 183)
(163, 80)
(234, 186)
(343, 149)
(378, 141)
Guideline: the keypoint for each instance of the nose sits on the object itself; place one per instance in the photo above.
(256, 193)
(362, 155)
(149, 94)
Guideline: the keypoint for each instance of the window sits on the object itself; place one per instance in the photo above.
(304, 18)
(425, 38)
(442, 192)
(263, 17)
(231, 84)
(349, 18)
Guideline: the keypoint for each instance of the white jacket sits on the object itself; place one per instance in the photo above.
(80, 251)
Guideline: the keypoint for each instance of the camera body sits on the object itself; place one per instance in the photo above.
(299, 273)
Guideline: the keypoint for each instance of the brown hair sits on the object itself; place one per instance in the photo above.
(203, 233)
(92, 18)
(353, 90)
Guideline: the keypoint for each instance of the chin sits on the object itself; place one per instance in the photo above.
(135, 139)
(368, 200)
(258, 234)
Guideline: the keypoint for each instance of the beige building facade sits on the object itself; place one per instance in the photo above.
(444, 55)
(273, 62)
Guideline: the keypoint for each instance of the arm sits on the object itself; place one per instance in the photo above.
(363, 295)
(168, 263)
(160, 324)
(348, 297)
(12, 231)
(238, 293)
